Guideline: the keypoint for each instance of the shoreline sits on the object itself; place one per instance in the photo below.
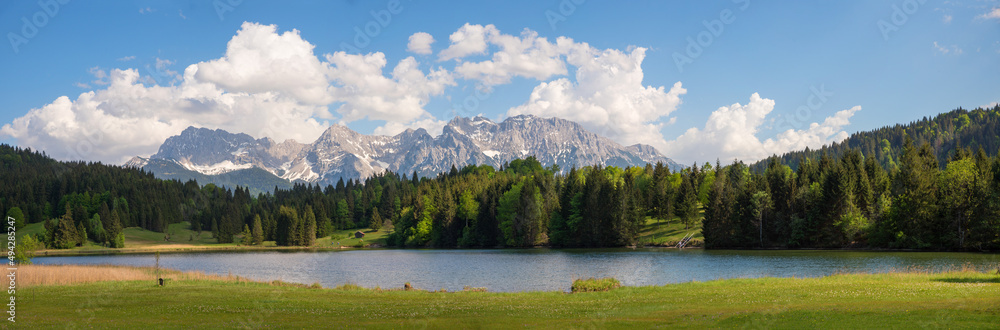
(190, 249)
(239, 249)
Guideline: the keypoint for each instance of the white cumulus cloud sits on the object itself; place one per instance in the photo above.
(258, 59)
(731, 133)
(267, 84)
(129, 118)
(992, 14)
(367, 93)
(420, 43)
(608, 96)
(470, 39)
(526, 56)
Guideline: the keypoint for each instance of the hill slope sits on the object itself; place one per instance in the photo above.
(959, 128)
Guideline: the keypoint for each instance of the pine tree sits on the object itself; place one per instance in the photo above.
(81, 234)
(308, 237)
(116, 232)
(258, 232)
(246, 237)
(686, 206)
(376, 221)
(65, 234)
(286, 227)
(915, 203)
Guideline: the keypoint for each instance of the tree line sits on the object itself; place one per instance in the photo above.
(520, 204)
(852, 201)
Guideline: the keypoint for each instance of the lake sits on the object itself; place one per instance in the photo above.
(535, 269)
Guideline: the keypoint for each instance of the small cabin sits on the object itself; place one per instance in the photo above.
(359, 234)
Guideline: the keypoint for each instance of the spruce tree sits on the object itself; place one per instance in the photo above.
(308, 236)
(246, 237)
(376, 221)
(257, 232)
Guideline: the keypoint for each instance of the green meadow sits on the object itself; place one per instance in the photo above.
(901, 300)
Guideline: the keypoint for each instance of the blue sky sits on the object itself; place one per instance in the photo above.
(750, 89)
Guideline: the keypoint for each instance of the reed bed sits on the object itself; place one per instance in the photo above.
(31, 275)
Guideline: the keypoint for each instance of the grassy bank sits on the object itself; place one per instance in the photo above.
(954, 300)
(658, 232)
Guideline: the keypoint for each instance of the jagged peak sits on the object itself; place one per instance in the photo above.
(337, 130)
(521, 117)
(481, 118)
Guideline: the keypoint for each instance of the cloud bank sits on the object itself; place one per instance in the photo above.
(731, 133)
(271, 83)
(267, 84)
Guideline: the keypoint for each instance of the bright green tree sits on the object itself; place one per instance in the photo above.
(257, 232)
(18, 216)
(247, 238)
(376, 221)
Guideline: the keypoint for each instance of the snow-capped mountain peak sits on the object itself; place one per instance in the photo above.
(342, 153)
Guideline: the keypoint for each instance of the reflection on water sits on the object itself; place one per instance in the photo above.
(536, 269)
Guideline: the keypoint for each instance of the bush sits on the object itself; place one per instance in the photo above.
(595, 285)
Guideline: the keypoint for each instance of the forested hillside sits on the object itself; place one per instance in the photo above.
(979, 128)
(930, 184)
(520, 204)
(852, 201)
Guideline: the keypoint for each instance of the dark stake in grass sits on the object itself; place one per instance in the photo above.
(159, 279)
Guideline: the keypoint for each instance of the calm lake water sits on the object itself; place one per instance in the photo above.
(535, 269)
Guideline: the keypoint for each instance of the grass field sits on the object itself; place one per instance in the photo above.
(901, 300)
(179, 233)
(341, 237)
(668, 232)
(30, 229)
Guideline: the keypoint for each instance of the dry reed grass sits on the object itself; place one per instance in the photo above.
(30, 275)
(928, 270)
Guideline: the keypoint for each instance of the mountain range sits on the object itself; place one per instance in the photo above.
(224, 158)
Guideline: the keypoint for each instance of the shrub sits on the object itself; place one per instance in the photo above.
(595, 285)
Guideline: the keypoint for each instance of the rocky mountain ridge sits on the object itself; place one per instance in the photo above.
(342, 153)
